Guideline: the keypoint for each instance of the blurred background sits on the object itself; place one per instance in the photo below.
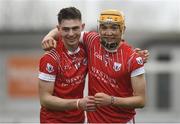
(151, 24)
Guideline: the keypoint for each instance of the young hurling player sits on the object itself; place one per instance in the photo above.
(62, 74)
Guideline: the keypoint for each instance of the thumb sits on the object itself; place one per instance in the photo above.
(137, 49)
(54, 43)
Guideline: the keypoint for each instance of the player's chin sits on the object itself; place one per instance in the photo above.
(75, 42)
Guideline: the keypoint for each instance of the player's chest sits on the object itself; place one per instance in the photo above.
(112, 64)
(71, 65)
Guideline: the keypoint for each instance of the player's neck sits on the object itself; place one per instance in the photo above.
(73, 50)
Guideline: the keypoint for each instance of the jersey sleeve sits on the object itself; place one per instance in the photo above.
(48, 68)
(136, 65)
(88, 38)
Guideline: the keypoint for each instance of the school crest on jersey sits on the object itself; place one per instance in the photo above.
(77, 65)
(49, 68)
(117, 66)
(84, 61)
(139, 60)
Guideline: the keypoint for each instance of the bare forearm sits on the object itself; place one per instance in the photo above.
(53, 33)
(130, 102)
(58, 104)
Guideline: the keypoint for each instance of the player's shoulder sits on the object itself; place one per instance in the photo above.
(125, 45)
(90, 34)
(51, 55)
(128, 49)
(88, 37)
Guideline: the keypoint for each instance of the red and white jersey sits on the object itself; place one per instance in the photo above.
(111, 73)
(67, 70)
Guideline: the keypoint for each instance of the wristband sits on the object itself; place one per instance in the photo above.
(112, 100)
(77, 103)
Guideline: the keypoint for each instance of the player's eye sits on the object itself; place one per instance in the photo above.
(65, 29)
(115, 27)
(76, 28)
(103, 27)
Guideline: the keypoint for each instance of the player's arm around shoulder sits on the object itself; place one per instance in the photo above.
(50, 40)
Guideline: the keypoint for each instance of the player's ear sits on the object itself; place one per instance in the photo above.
(83, 26)
(124, 29)
(58, 27)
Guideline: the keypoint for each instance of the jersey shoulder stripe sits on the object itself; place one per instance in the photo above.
(54, 54)
(90, 37)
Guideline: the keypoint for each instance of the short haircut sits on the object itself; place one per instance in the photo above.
(69, 13)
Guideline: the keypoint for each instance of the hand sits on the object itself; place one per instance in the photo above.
(102, 99)
(143, 53)
(87, 103)
(48, 43)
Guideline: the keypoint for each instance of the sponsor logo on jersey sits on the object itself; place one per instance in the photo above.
(85, 61)
(49, 68)
(117, 66)
(139, 60)
(66, 67)
(77, 65)
(97, 55)
(74, 80)
(102, 76)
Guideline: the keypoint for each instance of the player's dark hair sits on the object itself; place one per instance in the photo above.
(69, 13)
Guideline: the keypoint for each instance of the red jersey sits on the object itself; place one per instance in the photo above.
(67, 70)
(111, 73)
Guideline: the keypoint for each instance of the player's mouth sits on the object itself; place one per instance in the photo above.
(109, 39)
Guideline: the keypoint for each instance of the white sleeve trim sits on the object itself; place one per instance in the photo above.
(46, 77)
(138, 72)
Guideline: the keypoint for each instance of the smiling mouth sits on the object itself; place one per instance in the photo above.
(71, 39)
(109, 39)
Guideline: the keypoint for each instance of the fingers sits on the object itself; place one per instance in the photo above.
(90, 105)
(143, 53)
(48, 43)
(102, 99)
(54, 43)
(43, 44)
(51, 43)
(98, 98)
(137, 49)
(145, 56)
(98, 101)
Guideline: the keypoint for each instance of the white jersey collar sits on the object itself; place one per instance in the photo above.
(74, 52)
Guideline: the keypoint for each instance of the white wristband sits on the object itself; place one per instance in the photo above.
(77, 103)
